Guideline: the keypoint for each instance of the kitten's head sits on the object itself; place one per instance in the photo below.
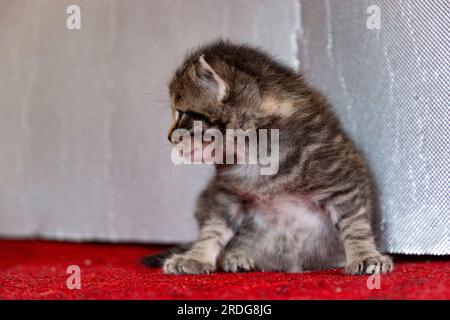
(223, 85)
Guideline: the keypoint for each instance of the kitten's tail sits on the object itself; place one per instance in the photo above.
(157, 260)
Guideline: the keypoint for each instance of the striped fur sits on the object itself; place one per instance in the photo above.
(315, 213)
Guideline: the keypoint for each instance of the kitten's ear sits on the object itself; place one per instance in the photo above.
(208, 79)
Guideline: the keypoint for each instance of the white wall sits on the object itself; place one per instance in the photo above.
(84, 113)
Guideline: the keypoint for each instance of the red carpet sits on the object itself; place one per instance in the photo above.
(37, 270)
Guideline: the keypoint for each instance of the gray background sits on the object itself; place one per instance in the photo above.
(84, 113)
(390, 88)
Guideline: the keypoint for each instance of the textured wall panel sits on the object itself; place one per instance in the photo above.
(84, 113)
(390, 87)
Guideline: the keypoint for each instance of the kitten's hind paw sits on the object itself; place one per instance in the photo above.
(185, 264)
(370, 265)
(236, 262)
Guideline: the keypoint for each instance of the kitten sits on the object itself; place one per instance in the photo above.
(314, 213)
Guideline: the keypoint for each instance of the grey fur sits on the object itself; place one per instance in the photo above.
(315, 213)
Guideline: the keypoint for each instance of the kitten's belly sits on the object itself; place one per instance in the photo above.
(294, 234)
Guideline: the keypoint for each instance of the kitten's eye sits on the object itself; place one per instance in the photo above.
(177, 98)
(198, 116)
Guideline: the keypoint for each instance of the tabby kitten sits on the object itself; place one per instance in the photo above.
(315, 213)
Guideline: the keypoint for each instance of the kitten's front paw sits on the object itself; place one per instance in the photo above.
(370, 265)
(185, 264)
(236, 262)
